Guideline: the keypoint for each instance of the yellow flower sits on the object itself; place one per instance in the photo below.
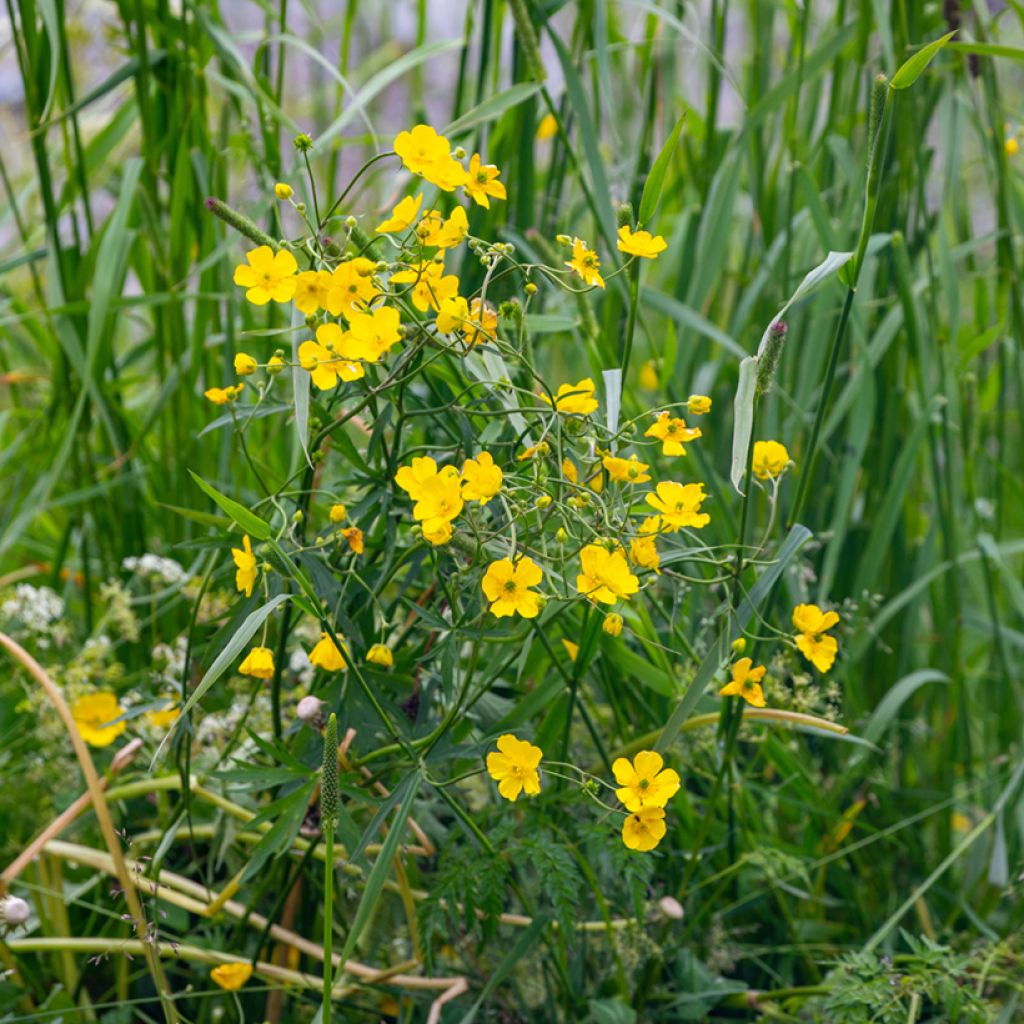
(626, 471)
(672, 431)
(438, 532)
(327, 655)
(439, 501)
(482, 181)
(380, 654)
(413, 478)
(231, 977)
(770, 459)
(421, 148)
(351, 287)
(547, 128)
(1012, 146)
(244, 364)
(483, 323)
(649, 376)
(679, 505)
(258, 663)
(327, 359)
(640, 243)
(575, 398)
(643, 551)
(401, 216)
(453, 314)
(643, 783)
(94, 714)
(311, 290)
(481, 478)
(514, 767)
(283, 191)
(268, 275)
(372, 335)
(222, 396)
(698, 405)
(746, 683)
(569, 471)
(245, 564)
(644, 829)
(161, 718)
(585, 262)
(444, 234)
(447, 174)
(354, 536)
(430, 284)
(612, 624)
(812, 641)
(275, 364)
(605, 576)
(571, 649)
(338, 513)
(507, 586)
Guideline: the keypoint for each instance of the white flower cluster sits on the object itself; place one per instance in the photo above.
(156, 566)
(36, 608)
(170, 660)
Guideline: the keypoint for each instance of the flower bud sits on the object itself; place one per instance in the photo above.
(303, 143)
(13, 911)
(244, 364)
(671, 907)
(338, 513)
(739, 645)
(698, 405)
(624, 215)
(380, 654)
(308, 711)
(301, 207)
(282, 191)
(351, 222)
(563, 240)
(531, 288)
(459, 153)
(612, 624)
(543, 501)
(275, 364)
(297, 516)
(561, 535)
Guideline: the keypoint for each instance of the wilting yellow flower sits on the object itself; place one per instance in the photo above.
(575, 398)
(483, 323)
(514, 767)
(605, 575)
(430, 285)
(482, 181)
(327, 655)
(644, 829)
(231, 977)
(649, 376)
(94, 714)
(698, 405)
(161, 718)
(612, 624)
(585, 262)
(352, 286)
(402, 215)
(679, 505)
(626, 471)
(437, 532)
(547, 128)
(380, 654)
(421, 148)
(267, 275)
(640, 243)
(506, 584)
(770, 459)
(311, 290)
(672, 431)
(481, 478)
(643, 551)
(643, 783)
(244, 364)
(452, 315)
(222, 396)
(746, 683)
(259, 663)
(354, 536)
(283, 191)
(338, 513)
(372, 335)
(245, 564)
(812, 641)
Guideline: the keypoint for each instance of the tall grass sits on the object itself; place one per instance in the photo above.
(897, 393)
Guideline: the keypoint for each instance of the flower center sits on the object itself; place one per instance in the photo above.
(644, 783)
(510, 586)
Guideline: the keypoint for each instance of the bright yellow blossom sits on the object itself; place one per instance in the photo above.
(482, 181)
(311, 290)
(324, 361)
(514, 767)
(746, 683)
(644, 783)
(338, 513)
(812, 641)
(354, 536)
(372, 335)
(585, 262)
(380, 654)
(244, 364)
(231, 977)
(483, 323)
(644, 829)
(643, 551)
(421, 148)
(438, 532)
(222, 396)
(672, 431)
(258, 663)
(283, 191)
(481, 478)
(649, 375)
(626, 471)
(245, 565)
(698, 405)
(547, 128)
(453, 314)
(437, 496)
(575, 398)
(605, 575)
(402, 215)
(506, 584)
(94, 715)
(161, 718)
(679, 505)
(640, 243)
(431, 286)
(444, 234)
(414, 477)
(612, 624)
(267, 275)
(571, 649)
(352, 286)
(327, 655)
(770, 460)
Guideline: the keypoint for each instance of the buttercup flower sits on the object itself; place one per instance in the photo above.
(698, 405)
(421, 148)
(483, 323)
(437, 532)
(258, 663)
(430, 285)
(222, 396)
(547, 128)
(440, 499)
(94, 714)
(645, 782)
(328, 359)
(452, 315)
(585, 262)
(311, 290)
(812, 641)
(352, 286)
(746, 683)
(649, 375)
(605, 575)
(514, 767)
(372, 335)
(644, 829)
(413, 478)
(244, 364)
(338, 513)
(575, 398)
(481, 478)
(506, 584)
(267, 275)
(643, 551)
(679, 505)
(444, 234)
(626, 471)
(612, 624)
(283, 191)
(770, 459)
(231, 977)
(482, 181)
(161, 718)
(380, 654)
(327, 655)
(245, 564)
(640, 243)
(402, 215)
(354, 536)
(672, 432)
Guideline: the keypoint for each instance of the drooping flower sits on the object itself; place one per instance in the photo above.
(643, 551)
(644, 829)
(626, 471)
(746, 683)
(645, 782)
(267, 275)
(222, 396)
(95, 714)
(481, 478)
(612, 624)
(311, 290)
(245, 565)
(231, 977)
(506, 584)
(327, 655)
(605, 574)
(258, 663)
(672, 432)
(679, 505)
(575, 398)
(812, 641)
(354, 536)
(437, 532)
(245, 364)
(482, 181)
(586, 263)
(380, 654)
(352, 286)
(640, 243)
(402, 215)
(770, 459)
(514, 767)
(698, 405)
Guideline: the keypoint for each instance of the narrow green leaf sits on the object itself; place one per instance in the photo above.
(911, 69)
(249, 521)
(493, 107)
(656, 179)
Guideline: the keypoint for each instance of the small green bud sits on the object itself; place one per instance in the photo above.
(302, 142)
(624, 215)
